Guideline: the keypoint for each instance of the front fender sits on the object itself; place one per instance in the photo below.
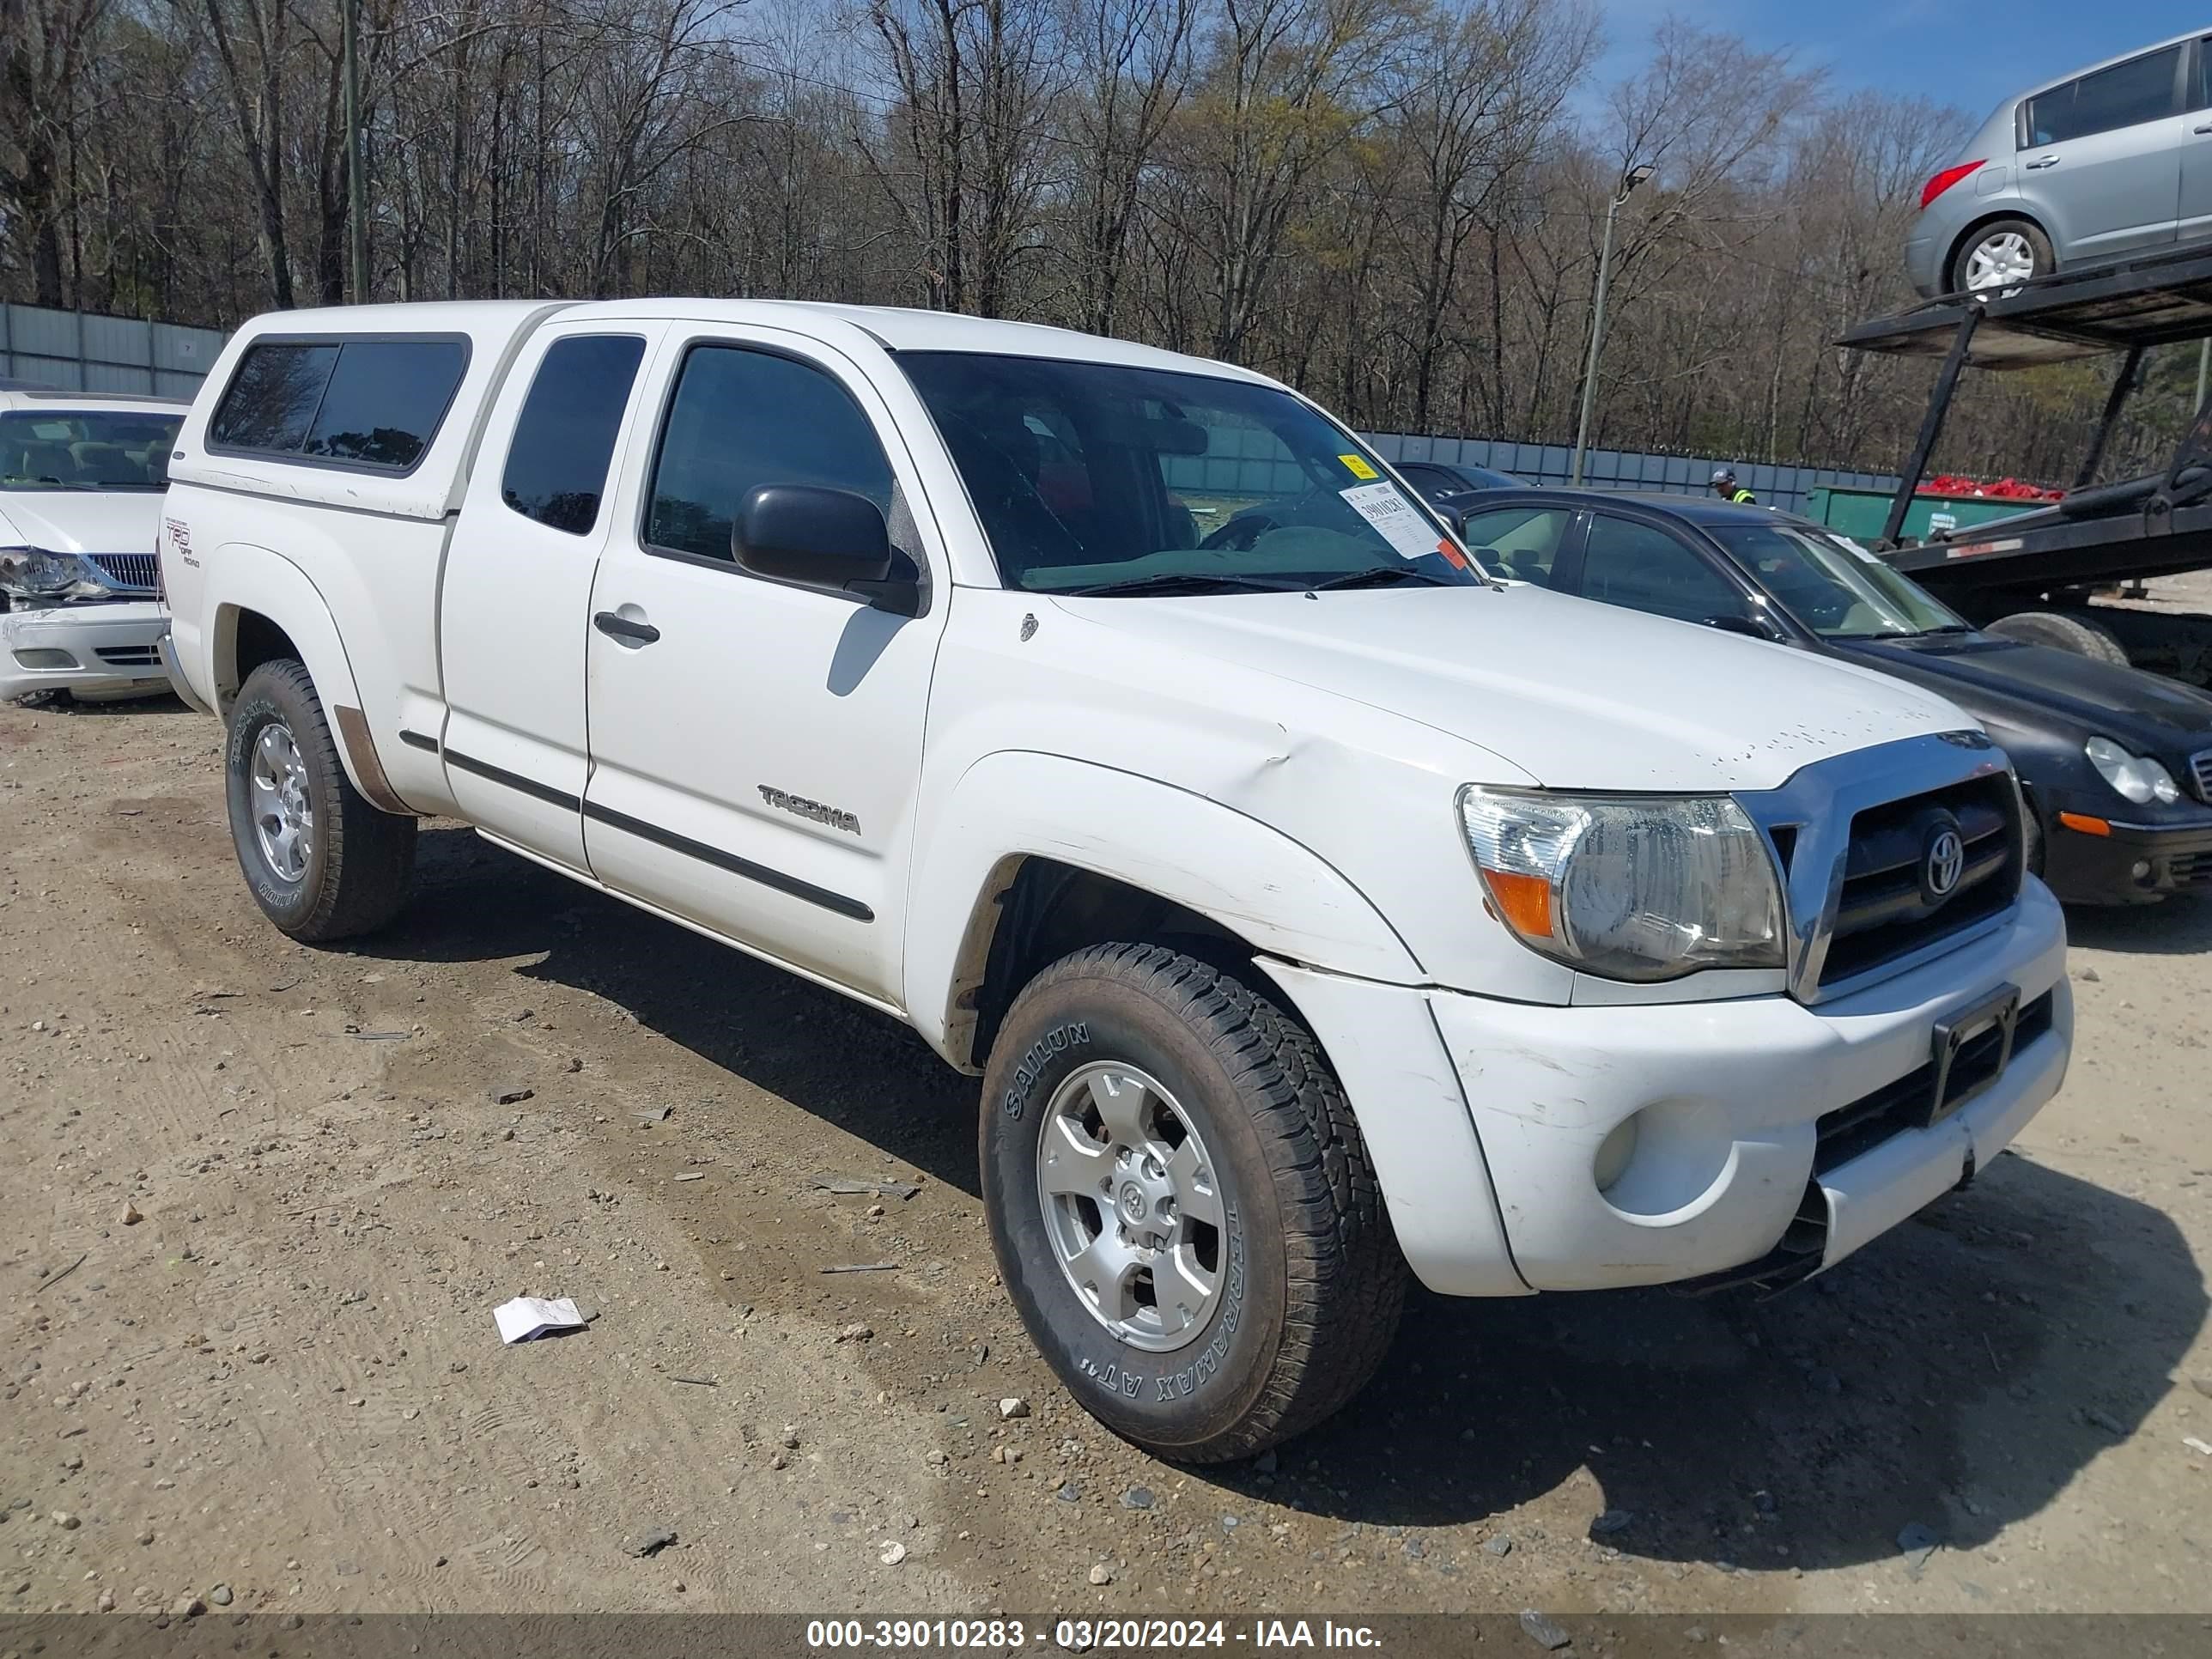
(1271, 891)
(242, 577)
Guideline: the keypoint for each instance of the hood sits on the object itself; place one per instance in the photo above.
(2005, 680)
(1579, 695)
(81, 521)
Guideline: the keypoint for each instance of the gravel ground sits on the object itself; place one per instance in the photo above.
(258, 1201)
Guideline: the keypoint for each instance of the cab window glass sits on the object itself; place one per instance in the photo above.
(743, 418)
(1632, 564)
(1518, 542)
(564, 439)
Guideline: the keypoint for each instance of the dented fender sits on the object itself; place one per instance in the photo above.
(1268, 889)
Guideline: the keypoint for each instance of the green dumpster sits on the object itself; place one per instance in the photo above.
(1860, 513)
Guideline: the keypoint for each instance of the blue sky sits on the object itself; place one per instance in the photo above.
(1948, 49)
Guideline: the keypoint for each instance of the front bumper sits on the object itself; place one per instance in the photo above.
(2134, 864)
(1728, 1096)
(87, 649)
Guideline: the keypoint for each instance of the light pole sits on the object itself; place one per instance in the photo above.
(1629, 180)
(356, 188)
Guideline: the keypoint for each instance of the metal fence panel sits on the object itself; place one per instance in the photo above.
(117, 340)
(74, 351)
(62, 373)
(187, 351)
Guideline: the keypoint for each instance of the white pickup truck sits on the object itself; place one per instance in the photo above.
(1310, 903)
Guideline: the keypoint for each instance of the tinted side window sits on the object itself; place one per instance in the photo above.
(1632, 564)
(557, 467)
(2124, 95)
(2200, 85)
(364, 403)
(386, 400)
(273, 397)
(1430, 481)
(1520, 542)
(741, 419)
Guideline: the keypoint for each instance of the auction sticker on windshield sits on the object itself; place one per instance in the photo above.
(1406, 530)
(1357, 467)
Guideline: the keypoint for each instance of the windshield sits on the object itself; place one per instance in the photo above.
(86, 449)
(1833, 587)
(1091, 478)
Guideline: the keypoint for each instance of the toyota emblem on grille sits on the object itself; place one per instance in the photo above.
(1942, 863)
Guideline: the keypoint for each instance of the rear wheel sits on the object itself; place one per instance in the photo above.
(322, 863)
(1181, 1205)
(2001, 254)
(2063, 630)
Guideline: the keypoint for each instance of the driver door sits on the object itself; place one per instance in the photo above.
(756, 745)
(1638, 565)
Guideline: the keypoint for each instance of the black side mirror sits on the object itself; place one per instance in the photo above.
(1451, 516)
(821, 538)
(1749, 627)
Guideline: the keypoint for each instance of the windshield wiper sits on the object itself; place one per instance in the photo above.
(1376, 575)
(1174, 581)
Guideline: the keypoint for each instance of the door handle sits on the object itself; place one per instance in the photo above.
(2206, 128)
(618, 627)
(2041, 162)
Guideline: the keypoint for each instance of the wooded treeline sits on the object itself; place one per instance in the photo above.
(1396, 205)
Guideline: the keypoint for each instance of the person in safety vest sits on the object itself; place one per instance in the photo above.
(1724, 486)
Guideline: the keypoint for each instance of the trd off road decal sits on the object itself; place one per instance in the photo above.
(1057, 1041)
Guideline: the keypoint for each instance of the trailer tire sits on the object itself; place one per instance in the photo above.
(2063, 630)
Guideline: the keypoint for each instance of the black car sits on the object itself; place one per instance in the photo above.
(1447, 480)
(2116, 764)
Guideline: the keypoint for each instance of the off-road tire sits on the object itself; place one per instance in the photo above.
(2064, 631)
(1314, 1281)
(360, 860)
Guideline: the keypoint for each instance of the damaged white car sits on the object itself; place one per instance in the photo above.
(82, 478)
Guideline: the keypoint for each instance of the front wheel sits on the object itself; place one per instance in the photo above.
(1181, 1205)
(322, 863)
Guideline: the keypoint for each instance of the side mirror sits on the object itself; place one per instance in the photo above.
(1749, 627)
(822, 537)
(1452, 516)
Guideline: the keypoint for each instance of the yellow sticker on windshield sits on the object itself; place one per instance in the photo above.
(1357, 467)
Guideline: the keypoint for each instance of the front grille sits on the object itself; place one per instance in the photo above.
(127, 656)
(2200, 774)
(128, 569)
(1852, 1131)
(2190, 870)
(1883, 911)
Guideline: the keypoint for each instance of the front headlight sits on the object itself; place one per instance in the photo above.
(2138, 777)
(32, 573)
(1634, 888)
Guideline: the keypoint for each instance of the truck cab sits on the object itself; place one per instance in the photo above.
(1311, 906)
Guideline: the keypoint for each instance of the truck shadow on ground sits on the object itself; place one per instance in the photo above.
(1956, 1374)
(2178, 928)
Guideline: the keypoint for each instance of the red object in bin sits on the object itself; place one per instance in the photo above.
(2004, 489)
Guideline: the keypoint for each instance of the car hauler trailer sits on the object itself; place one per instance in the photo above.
(2030, 574)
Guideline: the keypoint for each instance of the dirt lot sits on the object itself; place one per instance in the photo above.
(258, 1202)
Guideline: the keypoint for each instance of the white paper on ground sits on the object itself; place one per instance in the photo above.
(1405, 529)
(533, 1315)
